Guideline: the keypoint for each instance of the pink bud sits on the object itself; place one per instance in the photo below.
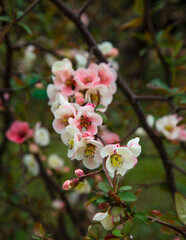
(70, 184)
(90, 104)
(79, 172)
(39, 86)
(80, 100)
(114, 52)
(78, 95)
(33, 148)
(118, 145)
(87, 134)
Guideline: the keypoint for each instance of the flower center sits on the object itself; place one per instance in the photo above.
(169, 127)
(70, 143)
(116, 160)
(90, 150)
(87, 80)
(94, 98)
(70, 82)
(22, 134)
(65, 120)
(84, 122)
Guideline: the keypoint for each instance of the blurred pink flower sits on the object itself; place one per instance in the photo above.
(19, 132)
(108, 136)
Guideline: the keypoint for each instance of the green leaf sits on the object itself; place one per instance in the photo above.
(116, 211)
(117, 233)
(102, 200)
(158, 84)
(127, 227)
(100, 106)
(180, 202)
(92, 200)
(142, 217)
(104, 117)
(26, 27)
(5, 19)
(124, 188)
(35, 237)
(103, 186)
(39, 94)
(127, 196)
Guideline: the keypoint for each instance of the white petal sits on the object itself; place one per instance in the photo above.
(100, 216)
(90, 163)
(108, 150)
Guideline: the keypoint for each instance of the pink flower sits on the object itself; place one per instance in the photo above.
(109, 136)
(19, 132)
(182, 136)
(86, 120)
(62, 116)
(65, 81)
(87, 78)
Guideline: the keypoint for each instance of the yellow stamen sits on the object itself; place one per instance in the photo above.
(90, 150)
(116, 160)
(85, 122)
(70, 143)
(169, 127)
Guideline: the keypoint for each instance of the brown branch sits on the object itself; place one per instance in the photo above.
(181, 170)
(150, 27)
(84, 8)
(152, 97)
(50, 183)
(126, 91)
(29, 9)
(177, 229)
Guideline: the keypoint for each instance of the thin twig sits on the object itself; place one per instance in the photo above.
(29, 9)
(84, 8)
(181, 170)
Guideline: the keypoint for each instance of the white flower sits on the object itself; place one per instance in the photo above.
(119, 159)
(70, 137)
(168, 126)
(41, 136)
(88, 151)
(50, 59)
(31, 164)
(51, 92)
(83, 187)
(105, 219)
(134, 146)
(55, 162)
(81, 60)
(65, 64)
(150, 121)
(105, 47)
(57, 204)
(58, 102)
(29, 56)
(99, 95)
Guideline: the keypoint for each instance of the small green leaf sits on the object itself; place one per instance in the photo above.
(92, 200)
(102, 200)
(142, 217)
(103, 186)
(127, 227)
(127, 196)
(26, 27)
(124, 188)
(117, 233)
(180, 202)
(116, 211)
(100, 106)
(104, 117)
(158, 84)
(5, 19)
(35, 237)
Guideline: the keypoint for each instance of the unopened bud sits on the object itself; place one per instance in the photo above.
(78, 95)
(70, 184)
(80, 101)
(90, 104)
(87, 134)
(33, 148)
(79, 172)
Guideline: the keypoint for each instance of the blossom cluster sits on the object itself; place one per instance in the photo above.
(77, 97)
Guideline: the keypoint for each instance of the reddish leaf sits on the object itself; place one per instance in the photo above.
(39, 230)
(156, 213)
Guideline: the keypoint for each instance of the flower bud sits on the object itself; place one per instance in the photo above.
(80, 101)
(70, 184)
(90, 104)
(33, 148)
(104, 205)
(79, 172)
(87, 134)
(78, 95)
